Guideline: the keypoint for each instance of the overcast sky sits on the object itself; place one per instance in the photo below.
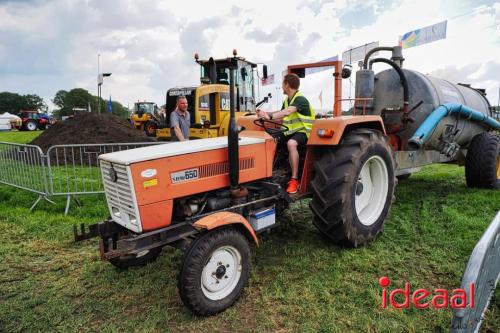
(149, 45)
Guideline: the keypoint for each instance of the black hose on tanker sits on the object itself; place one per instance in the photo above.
(372, 51)
(402, 76)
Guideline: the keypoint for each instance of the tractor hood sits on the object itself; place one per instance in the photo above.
(127, 157)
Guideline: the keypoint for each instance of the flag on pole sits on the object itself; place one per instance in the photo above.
(110, 105)
(424, 35)
(269, 80)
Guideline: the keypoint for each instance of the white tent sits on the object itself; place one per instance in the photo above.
(7, 120)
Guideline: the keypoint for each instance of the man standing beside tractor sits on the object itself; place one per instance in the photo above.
(180, 120)
(298, 115)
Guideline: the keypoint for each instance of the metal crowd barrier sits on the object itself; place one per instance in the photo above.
(74, 169)
(24, 167)
(65, 170)
(483, 269)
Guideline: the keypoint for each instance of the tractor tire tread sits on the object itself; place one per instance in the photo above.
(330, 187)
(481, 161)
(189, 279)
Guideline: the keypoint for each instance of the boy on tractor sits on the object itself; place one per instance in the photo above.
(298, 115)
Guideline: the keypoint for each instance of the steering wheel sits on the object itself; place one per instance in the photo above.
(272, 131)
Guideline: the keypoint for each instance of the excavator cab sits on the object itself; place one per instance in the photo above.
(145, 107)
(216, 71)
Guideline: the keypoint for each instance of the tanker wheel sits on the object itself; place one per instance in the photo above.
(150, 128)
(353, 188)
(482, 163)
(214, 272)
(136, 260)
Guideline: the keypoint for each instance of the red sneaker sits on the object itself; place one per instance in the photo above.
(293, 186)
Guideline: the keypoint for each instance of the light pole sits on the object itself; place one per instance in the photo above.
(100, 79)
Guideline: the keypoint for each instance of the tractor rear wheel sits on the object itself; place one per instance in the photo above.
(482, 163)
(150, 128)
(136, 260)
(353, 188)
(214, 272)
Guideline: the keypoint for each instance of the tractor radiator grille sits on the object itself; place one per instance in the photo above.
(220, 168)
(120, 195)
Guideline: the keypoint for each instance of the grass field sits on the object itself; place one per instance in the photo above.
(299, 282)
(19, 136)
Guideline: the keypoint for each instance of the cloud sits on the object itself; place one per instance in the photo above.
(196, 35)
(488, 71)
(358, 17)
(235, 11)
(314, 6)
(261, 36)
(311, 40)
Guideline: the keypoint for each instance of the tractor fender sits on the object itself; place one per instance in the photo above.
(220, 219)
(342, 125)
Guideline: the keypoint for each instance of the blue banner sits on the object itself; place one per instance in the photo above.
(424, 35)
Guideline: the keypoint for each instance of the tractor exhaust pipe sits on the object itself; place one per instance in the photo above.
(232, 138)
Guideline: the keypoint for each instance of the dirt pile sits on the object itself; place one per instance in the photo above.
(90, 128)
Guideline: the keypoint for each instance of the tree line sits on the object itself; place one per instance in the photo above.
(82, 99)
(66, 101)
(13, 103)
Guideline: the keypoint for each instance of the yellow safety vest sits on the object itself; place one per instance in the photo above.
(297, 122)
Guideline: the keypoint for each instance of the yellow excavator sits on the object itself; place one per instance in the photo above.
(208, 104)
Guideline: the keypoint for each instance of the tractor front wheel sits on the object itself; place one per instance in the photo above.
(214, 272)
(353, 188)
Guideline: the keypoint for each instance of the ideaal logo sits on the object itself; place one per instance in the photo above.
(423, 298)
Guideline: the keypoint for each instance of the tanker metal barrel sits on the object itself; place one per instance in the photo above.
(425, 95)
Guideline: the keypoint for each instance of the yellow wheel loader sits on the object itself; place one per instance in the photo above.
(145, 117)
(208, 104)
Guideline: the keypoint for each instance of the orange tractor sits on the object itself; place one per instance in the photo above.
(212, 197)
